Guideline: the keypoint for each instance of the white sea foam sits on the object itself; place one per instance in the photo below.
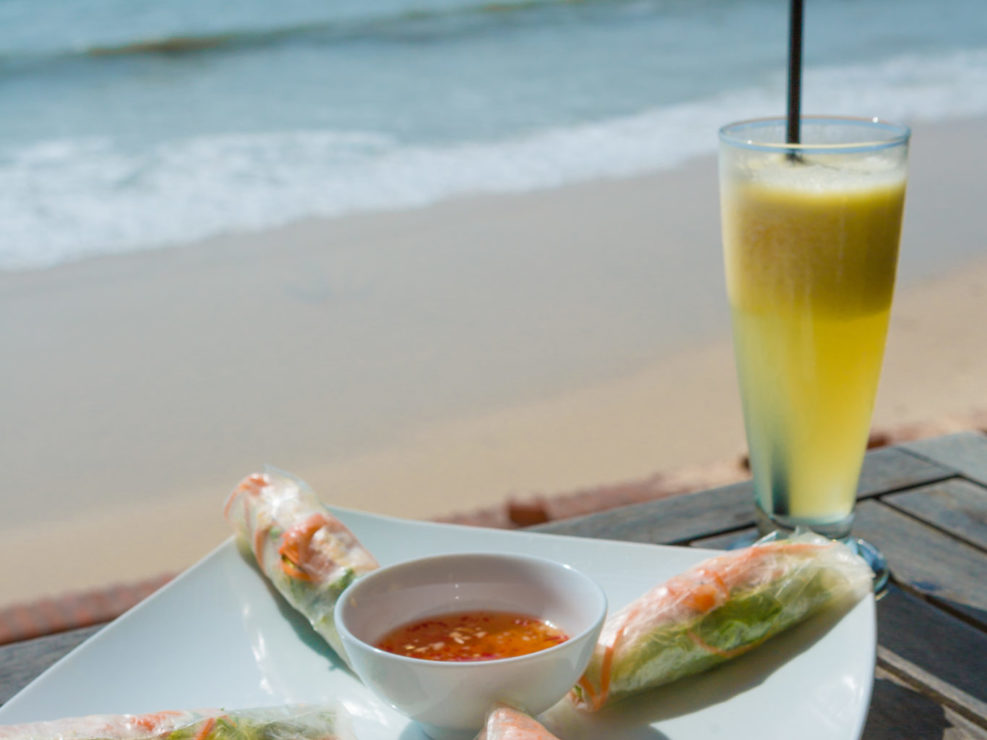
(64, 200)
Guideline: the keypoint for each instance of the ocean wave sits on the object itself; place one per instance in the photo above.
(68, 199)
(449, 18)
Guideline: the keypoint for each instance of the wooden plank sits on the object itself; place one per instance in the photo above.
(955, 660)
(729, 540)
(926, 560)
(668, 521)
(890, 468)
(965, 452)
(929, 685)
(963, 729)
(956, 506)
(709, 513)
(899, 710)
(21, 662)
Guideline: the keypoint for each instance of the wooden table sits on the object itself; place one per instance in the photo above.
(924, 504)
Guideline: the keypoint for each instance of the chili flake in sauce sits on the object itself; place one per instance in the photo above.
(473, 635)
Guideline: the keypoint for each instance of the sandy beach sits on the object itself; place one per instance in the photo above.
(423, 362)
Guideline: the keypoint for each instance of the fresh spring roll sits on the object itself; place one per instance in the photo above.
(715, 611)
(507, 723)
(269, 723)
(307, 553)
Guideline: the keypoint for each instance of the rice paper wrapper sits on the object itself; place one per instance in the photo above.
(269, 723)
(717, 610)
(509, 723)
(308, 555)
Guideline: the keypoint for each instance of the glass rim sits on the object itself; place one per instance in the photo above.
(738, 134)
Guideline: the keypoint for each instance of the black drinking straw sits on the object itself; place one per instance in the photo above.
(793, 134)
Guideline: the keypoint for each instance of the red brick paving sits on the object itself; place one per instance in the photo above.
(70, 611)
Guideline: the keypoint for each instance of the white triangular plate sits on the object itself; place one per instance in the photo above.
(219, 636)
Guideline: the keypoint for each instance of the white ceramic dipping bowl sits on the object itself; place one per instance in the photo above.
(450, 699)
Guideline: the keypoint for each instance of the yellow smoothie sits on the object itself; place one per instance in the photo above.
(810, 254)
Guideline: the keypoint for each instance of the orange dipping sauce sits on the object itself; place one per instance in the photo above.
(475, 635)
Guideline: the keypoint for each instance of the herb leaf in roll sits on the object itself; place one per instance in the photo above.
(306, 552)
(715, 611)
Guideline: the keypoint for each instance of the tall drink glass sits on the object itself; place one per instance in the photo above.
(810, 244)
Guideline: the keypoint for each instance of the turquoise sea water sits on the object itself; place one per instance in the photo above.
(133, 124)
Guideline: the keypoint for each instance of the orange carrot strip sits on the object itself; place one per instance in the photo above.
(206, 728)
(296, 543)
(725, 654)
(733, 568)
(587, 687)
(717, 578)
(152, 721)
(293, 571)
(606, 667)
(260, 536)
(251, 484)
(701, 598)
